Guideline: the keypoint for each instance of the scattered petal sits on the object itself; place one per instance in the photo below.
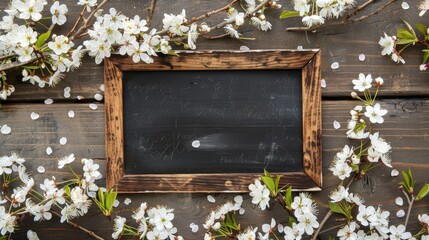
(405, 6)
(127, 201)
(361, 57)
(211, 199)
(116, 203)
(196, 144)
(399, 201)
(335, 65)
(244, 48)
(67, 94)
(93, 106)
(71, 114)
(98, 97)
(5, 129)
(34, 116)
(49, 151)
(323, 83)
(241, 211)
(49, 101)
(191, 225)
(79, 97)
(238, 199)
(336, 124)
(67, 89)
(195, 228)
(63, 141)
(280, 228)
(299, 48)
(400, 213)
(41, 169)
(102, 87)
(394, 173)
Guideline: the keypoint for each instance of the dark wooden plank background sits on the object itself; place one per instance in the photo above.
(405, 95)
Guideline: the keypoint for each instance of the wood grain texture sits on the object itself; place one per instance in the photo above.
(85, 133)
(338, 44)
(221, 60)
(308, 61)
(114, 124)
(312, 119)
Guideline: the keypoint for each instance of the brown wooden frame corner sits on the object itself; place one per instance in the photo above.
(308, 61)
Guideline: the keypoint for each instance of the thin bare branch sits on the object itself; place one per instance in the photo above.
(150, 11)
(75, 225)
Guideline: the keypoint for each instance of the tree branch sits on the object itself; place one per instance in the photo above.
(347, 19)
(150, 11)
(75, 225)
(204, 16)
(87, 20)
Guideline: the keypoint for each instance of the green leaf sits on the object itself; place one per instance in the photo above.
(67, 190)
(425, 57)
(331, 238)
(405, 41)
(31, 67)
(423, 192)
(173, 53)
(42, 39)
(422, 28)
(336, 208)
(405, 34)
(288, 14)
(277, 182)
(269, 182)
(291, 220)
(110, 200)
(410, 28)
(288, 197)
(266, 173)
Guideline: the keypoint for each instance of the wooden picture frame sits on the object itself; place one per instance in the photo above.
(308, 61)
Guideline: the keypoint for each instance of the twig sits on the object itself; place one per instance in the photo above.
(150, 11)
(7, 66)
(75, 225)
(87, 20)
(248, 14)
(359, 8)
(77, 21)
(329, 213)
(410, 205)
(204, 16)
(331, 228)
(346, 21)
(215, 37)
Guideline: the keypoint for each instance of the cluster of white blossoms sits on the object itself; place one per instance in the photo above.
(376, 219)
(216, 218)
(154, 223)
(260, 194)
(73, 199)
(44, 57)
(388, 43)
(305, 211)
(314, 12)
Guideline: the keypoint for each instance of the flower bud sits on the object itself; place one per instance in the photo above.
(379, 81)
(354, 95)
(423, 67)
(262, 17)
(358, 108)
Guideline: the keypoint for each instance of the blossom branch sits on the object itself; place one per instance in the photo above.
(410, 205)
(248, 14)
(347, 19)
(77, 22)
(86, 21)
(75, 225)
(204, 16)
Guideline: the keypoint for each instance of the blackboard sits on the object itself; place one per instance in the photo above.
(213, 121)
